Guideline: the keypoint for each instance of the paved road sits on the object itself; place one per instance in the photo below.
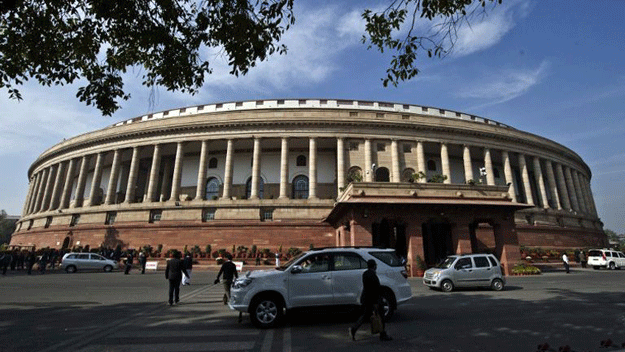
(115, 312)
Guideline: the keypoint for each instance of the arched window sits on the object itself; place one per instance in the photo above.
(212, 164)
(406, 176)
(248, 188)
(354, 174)
(301, 161)
(431, 165)
(212, 188)
(300, 187)
(382, 175)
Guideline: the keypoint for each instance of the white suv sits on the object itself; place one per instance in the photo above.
(606, 258)
(317, 278)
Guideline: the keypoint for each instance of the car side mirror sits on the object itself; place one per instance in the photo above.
(296, 269)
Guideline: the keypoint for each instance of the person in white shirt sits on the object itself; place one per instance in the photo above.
(565, 260)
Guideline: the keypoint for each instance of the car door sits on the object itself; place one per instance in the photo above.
(621, 258)
(463, 272)
(482, 271)
(97, 261)
(347, 278)
(312, 286)
(83, 262)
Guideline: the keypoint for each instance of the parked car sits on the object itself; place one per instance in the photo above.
(73, 262)
(319, 278)
(606, 258)
(469, 270)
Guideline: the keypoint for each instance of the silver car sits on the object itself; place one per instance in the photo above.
(469, 270)
(73, 262)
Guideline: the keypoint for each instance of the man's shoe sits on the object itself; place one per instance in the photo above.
(385, 337)
(352, 334)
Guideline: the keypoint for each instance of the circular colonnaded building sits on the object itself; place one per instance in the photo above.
(300, 172)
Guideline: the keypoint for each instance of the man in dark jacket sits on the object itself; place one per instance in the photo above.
(371, 299)
(173, 272)
(188, 265)
(129, 260)
(230, 273)
(143, 260)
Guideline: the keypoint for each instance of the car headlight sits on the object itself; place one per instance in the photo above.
(436, 275)
(243, 282)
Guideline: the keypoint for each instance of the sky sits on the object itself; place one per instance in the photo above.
(553, 68)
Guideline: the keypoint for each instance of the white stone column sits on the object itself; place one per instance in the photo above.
(284, 168)
(96, 180)
(507, 169)
(571, 188)
(56, 190)
(421, 161)
(82, 180)
(526, 180)
(582, 184)
(488, 164)
(553, 187)
(312, 168)
(155, 169)
(395, 162)
(445, 162)
(564, 194)
(175, 183)
(228, 170)
(31, 186)
(255, 169)
(578, 192)
(591, 198)
(368, 162)
(43, 188)
(166, 179)
(45, 204)
(201, 173)
(67, 187)
(33, 202)
(41, 203)
(132, 176)
(340, 164)
(111, 189)
(468, 166)
(540, 181)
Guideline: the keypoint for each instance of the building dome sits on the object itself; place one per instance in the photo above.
(281, 173)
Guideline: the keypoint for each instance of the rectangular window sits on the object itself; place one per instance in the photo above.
(481, 262)
(353, 146)
(110, 217)
(208, 214)
(155, 215)
(407, 148)
(48, 221)
(353, 113)
(381, 147)
(405, 117)
(75, 220)
(379, 115)
(266, 214)
(238, 104)
(424, 109)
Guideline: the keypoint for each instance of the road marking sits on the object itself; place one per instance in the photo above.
(286, 340)
(183, 333)
(266, 347)
(174, 346)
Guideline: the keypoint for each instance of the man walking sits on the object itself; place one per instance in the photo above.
(143, 259)
(230, 273)
(129, 260)
(565, 260)
(173, 273)
(371, 300)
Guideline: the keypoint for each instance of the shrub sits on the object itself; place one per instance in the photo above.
(524, 269)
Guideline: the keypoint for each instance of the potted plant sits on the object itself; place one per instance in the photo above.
(420, 266)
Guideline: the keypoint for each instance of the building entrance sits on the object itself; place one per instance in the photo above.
(390, 234)
(437, 242)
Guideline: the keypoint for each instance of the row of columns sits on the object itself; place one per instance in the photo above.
(48, 191)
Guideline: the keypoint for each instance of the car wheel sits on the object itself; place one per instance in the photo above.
(70, 269)
(266, 312)
(108, 268)
(497, 285)
(447, 286)
(388, 304)
(612, 266)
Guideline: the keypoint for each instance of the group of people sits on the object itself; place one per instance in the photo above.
(17, 260)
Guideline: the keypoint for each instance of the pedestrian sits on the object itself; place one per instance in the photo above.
(258, 258)
(143, 259)
(277, 260)
(188, 265)
(43, 262)
(230, 273)
(371, 300)
(173, 273)
(565, 260)
(4, 262)
(129, 260)
(14, 260)
(30, 261)
(582, 259)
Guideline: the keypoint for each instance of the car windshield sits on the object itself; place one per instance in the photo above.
(446, 263)
(290, 262)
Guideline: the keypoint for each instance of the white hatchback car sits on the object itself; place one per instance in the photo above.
(606, 258)
(319, 278)
(466, 270)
